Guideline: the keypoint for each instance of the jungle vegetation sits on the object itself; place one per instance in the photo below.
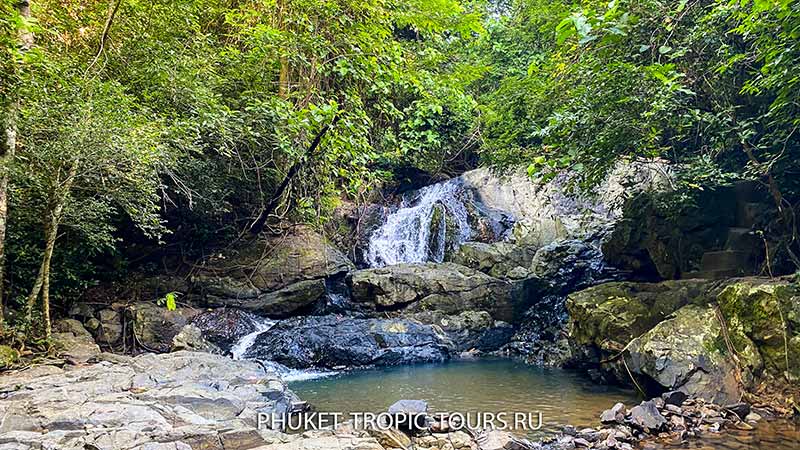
(175, 125)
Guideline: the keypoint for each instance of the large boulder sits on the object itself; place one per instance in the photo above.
(154, 326)
(288, 301)
(224, 327)
(446, 287)
(499, 259)
(469, 330)
(333, 341)
(689, 352)
(569, 265)
(274, 276)
(184, 399)
(768, 313)
(551, 211)
(73, 342)
(608, 316)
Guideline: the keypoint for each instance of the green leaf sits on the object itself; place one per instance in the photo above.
(171, 301)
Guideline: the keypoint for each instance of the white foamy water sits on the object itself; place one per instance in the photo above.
(405, 237)
(240, 348)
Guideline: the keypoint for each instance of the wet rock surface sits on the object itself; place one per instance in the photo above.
(446, 287)
(177, 400)
(334, 341)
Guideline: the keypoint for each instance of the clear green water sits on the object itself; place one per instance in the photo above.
(502, 385)
(468, 387)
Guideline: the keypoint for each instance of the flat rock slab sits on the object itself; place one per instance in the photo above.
(177, 400)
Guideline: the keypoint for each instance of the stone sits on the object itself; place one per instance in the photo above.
(191, 338)
(687, 353)
(109, 330)
(675, 398)
(333, 341)
(445, 287)
(284, 302)
(73, 342)
(614, 415)
(411, 407)
(155, 326)
(569, 265)
(766, 311)
(503, 440)
(498, 259)
(469, 330)
(610, 315)
(741, 409)
(752, 417)
(646, 417)
(182, 399)
(268, 264)
(390, 437)
(224, 327)
(544, 212)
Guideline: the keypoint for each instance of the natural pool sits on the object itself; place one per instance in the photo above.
(468, 387)
(503, 385)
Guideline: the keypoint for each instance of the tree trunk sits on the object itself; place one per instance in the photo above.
(8, 146)
(42, 283)
(283, 74)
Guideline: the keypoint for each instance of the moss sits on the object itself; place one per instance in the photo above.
(764, 310)
(8, 356)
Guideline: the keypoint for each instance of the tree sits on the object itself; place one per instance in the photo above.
(89, 154)
(15, 40)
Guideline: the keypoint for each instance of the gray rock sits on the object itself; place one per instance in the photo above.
(178, 400)
(270, 264)
(191, 338)
(73, 342)
(614, 415)
(685, 353)
(647, 417)
(155, 326)
(224, 327)
(109, 330)
(445, 287)
(412, 407)
(284, 302)
(498, 259)
(332, 341)
(675, 398)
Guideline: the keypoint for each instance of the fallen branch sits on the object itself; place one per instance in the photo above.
(258, 225)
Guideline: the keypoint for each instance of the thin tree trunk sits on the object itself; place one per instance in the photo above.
(42, 283)
(8, 146)
(283, 74)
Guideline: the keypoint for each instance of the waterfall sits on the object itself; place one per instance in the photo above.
(410, 235)
(240, 348)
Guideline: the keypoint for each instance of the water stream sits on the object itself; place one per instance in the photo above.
(406, 235)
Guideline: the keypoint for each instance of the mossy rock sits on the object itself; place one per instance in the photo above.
(610, 315)
(8, 357)
(688, 352)
(768, 312)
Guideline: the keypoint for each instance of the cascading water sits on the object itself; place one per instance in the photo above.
(409, 234)
(240, 348)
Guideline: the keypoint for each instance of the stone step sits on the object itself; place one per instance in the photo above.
(742, 239)
(726, 260)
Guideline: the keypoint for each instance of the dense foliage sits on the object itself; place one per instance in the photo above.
(164, 127)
